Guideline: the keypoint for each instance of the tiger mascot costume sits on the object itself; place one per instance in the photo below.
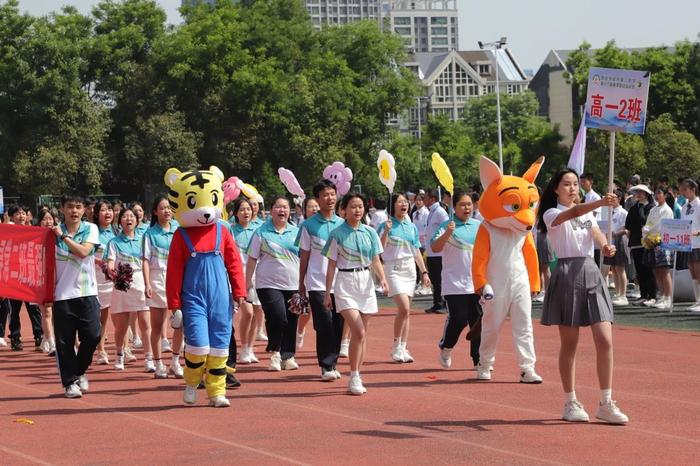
(204, 271)
(505, 269)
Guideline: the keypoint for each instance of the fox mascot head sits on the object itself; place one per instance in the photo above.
(509, 202)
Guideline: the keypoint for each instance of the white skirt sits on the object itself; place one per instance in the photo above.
(158, 298)
(134, 299)
(355, 290)
(401, 276)
(104, 290)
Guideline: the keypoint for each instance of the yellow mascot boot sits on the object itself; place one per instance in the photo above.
(194, 370)
(216, 381)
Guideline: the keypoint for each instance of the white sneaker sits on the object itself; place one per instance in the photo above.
(102, 358)
(45, 346)
(649, 302)
(695, 308)
(161, 371)
(245, 358)
(137, 342)
(530, 376)
(83, 383)
(119, 363)
(73, 391)
(219, 401)
(483, 372)
(663, 303)
(165, 346)
(355, 386)
(190, 395)
(52, 348)
(328, 376)
(610, 413)
(261, 335)
(176, 369)
(397, 354)
(337, 374)
(344, 348)
(539, 298)
(129, 355)
(620, 301)
(290, 364)
(574, 412)
(446, 358)
(149, 366)
(275, 362)
(407, 357)
(300, 340)
(3, 343)
(253, 358)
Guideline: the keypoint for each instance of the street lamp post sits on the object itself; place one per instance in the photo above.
(495, 46)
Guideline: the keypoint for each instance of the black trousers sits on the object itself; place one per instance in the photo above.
(4, 314)
(463, 310)
(435, 273)
(329, 330)
(645, 275)
(232, 351)
(34, 317)
(281, 325)
(81, 315)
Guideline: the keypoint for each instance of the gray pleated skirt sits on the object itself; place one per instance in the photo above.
(576, 296)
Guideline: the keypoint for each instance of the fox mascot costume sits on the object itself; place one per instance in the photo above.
(204, 270)
(505, 269)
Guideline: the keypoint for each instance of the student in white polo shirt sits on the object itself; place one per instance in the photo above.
(274, 259)
(436, 217)
(75, 308)
(691, 211)
(399, 237)
(312, 237)
(455, 239)
(577, 295)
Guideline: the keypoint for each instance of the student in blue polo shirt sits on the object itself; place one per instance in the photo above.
(353, 248)
(455, 240)
(312, 237)
(103, 217)
(75, 308)
(401, 254)
(156, 247)
(274, 259)
(126, 248)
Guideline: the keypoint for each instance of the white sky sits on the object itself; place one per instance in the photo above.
(532, 27)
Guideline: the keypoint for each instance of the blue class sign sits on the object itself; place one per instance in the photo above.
(617, 100)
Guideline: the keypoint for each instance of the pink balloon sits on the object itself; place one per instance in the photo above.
(231, 189)
(290, 182)
(340, 175)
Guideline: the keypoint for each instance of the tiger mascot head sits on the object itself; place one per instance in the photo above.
(196, 197)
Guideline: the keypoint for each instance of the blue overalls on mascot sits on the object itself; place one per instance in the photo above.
(204, 270)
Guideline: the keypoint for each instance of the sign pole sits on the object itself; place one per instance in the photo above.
(611, 174)
(673, 280)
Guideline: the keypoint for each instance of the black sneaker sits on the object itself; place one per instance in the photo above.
(232, 381)
(434, 309)
(17, 344)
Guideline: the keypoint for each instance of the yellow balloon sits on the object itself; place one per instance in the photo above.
(384, 169)
(442, 171)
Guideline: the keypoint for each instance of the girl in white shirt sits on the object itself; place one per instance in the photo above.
(577, 294)
(659, 259)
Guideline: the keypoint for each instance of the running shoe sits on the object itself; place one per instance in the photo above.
(161, 371)
(219, 401)
(328, 376)
(446, 358)
(261, 335)
(83, 383)
(290, 364)
(165, 346)
(52, 348)
(189, 397)
(129, 356)
(483, 372)
(119, 363)
(137, 342)
(530, 376)
(574, 412)
(355, 386)
(397, 354)
(149, 366)
(102, 358)
(73, 391)
(344, 348)
(407, 357)
(176, 369)
(610, 413)
(3, 343)
(275, 362)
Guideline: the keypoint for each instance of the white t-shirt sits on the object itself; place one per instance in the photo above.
(377, 218)
(592, 196)
(619, 218)
(691, 211)
(436, 217)
(573, 238)
(75, 277)
(420, 220)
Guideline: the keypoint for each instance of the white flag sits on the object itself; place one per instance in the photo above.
(577, 159)
(421, 76)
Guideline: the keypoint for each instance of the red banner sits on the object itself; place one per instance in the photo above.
(27, 263)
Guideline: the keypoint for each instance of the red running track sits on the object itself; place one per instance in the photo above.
(412, 414)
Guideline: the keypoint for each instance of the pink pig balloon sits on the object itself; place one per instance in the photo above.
(231, 189)
(340, 175)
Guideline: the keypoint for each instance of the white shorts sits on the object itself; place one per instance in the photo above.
(134, 299)
(158, 298)
(401, 276)
(104, 290)
(355, 290)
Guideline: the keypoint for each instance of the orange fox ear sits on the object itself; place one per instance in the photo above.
(534, 170)
(489, 172)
